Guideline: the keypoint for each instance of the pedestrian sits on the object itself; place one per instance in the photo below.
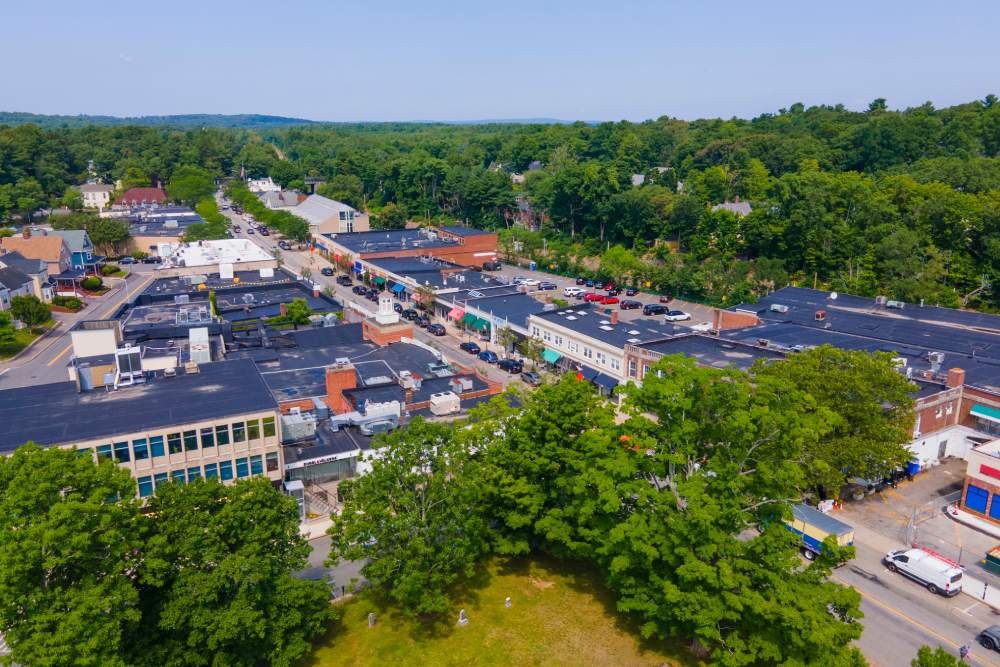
(963, 652)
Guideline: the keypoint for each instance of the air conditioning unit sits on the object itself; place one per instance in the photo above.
(779, 308)
(898, 305)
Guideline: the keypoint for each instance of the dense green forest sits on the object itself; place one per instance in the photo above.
(905, 203)
(239, 121)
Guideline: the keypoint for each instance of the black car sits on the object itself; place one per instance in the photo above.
(653, 309)
(344, 280)
(359, 289)
(470, 347)
(491, 266)
(410, 314)
(398, 307)
(327, 271)
(614, 291)
(546, 285)
(581, 281)
(631, 291)
(372, 296)
(264, 232)
(423, 321)
(989, 638)
(512, 366)
(629, 304)
(436, 329)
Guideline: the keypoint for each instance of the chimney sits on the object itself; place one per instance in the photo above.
(316, 291)
(956, 378)
(283, 309)
(407, 397)
(614, 317)
(339, 377)
(26, 231)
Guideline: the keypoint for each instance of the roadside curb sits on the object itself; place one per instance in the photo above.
(32, 344)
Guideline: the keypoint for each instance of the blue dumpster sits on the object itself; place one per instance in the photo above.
(532, 266)
(913, 467)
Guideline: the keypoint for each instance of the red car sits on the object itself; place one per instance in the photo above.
(608, 286)
(666, 298)
(592, 296)
(608, 300)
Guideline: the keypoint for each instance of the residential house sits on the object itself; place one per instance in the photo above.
(141, 196)
(259, 185)
(13, 283)
(81, 249)
(282, 199)
(96, 195)
(327, 216)
(35, 269)
(53, 251)
(740, 208)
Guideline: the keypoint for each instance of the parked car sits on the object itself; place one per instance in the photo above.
(653, 309)
(344, 280)
(608, 286)
(512, 366)
(531, 282)
(573, 291)
(629, 304)
(436, 330)
(284, 245)
(398, 307)
(592, 296)
(470, 347)
(492, 266)
(676, 316)
(608, 300)
(937, 573)
(989, 638)
(327, 271)
(264, 232)
(589, 283)
(517, 280)
(631, 291)
(581, 281)
(249, 230)
(489, 356)
(127, 260)
(237, 229)
(372, 296)
(532, 378)
(545, 285)
(666, 298)
(359, 289)
(422, 321)
(409, 314)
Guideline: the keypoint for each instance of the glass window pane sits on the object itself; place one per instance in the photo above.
(177, 476)
(145, 486)
(226, 470)
(161, 478)
(174, 443)
(256, 465)
(253, 429)
(156, 445)
(103, 452)
(86, 451)
(242, 469)
(190, 440)
(268, 427)
(140, 450)
(222, 434)
(194, 473)
(239, 432)
(211, 470)
(121, 452)
(208, 437)
(272, 461)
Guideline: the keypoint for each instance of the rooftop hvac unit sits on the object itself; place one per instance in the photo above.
(898, 305)
(461, 385)
(201, 350)
(779, 308)
(899, 363)
(182, 298)
(820, 315)
(445, 403)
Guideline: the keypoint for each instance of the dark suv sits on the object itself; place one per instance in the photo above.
(989, 638)
(654, 309)
(470, 347)
(491, 266)
(512, 366)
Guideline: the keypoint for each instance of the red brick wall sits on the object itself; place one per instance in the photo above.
(723, 320)
(337, 380)
(385, 335)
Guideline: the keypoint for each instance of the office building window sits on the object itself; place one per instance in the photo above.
(253, 429)
(242, 468)
(208, 437)
(156, 445)
(140, 449)
(211, 470)
(174, 443)
(190, 440)
(177, 476)
(194, 473)
(161, 478)
(272, 461)
(145, 486)
(632, 368)
(256, 465)
(226, 470)
(239, 432)
(601, 358)
(121, 452)
(222, 434)
(269, 429)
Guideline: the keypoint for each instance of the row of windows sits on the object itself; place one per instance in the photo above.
(241, 468)
(600, 358)
(186, 441)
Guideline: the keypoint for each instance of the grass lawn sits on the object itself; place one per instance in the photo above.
(561, 615)
(22, 338)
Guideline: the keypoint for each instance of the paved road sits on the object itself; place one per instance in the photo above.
(45, 362)
(342, 577)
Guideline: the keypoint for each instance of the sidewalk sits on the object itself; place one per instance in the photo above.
(315, 528)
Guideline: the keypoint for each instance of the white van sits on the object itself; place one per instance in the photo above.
(937, 573)
(573, 290)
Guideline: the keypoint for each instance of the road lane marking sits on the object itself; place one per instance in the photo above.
(60, 355)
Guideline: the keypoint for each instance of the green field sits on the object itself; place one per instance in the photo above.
(22, 338)
(561, 615)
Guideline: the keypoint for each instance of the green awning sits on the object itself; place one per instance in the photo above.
(469, 319)
(482, 325)
(985, 412)
(551, 356)
(379, 280)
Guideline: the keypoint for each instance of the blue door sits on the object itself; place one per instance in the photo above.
(975, 498)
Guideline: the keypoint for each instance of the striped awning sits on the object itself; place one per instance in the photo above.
(455, 314)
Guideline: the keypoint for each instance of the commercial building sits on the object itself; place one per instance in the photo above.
(224, 256)
(328, 216)
(216, 420)
(141, 197)
(463, 246)
(153, 226)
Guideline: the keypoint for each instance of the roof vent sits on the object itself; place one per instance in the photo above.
(898, 305)
(634, 332)
(571, 317)
(763, 342)
(607, 328)
(820, 315)
(779, 308)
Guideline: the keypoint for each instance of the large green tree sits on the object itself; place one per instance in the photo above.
(30, 310)
(190, 184)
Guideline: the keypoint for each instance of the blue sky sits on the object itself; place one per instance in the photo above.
(438, 60)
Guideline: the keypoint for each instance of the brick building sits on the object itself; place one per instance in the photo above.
(463, 246)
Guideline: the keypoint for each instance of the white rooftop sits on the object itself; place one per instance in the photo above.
(206, 253)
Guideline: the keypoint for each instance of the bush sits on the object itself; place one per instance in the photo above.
(139, 255)
(92, 283)
(110, 269)
(71, 302)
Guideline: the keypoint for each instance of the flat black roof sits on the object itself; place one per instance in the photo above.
(459, 230)
(593, 322)
(511, 307)
(185, 285)
(391, 239)
(434, 273)
(328, 443)
(56, 414)
(711, 351)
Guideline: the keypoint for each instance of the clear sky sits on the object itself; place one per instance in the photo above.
(440, 60)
